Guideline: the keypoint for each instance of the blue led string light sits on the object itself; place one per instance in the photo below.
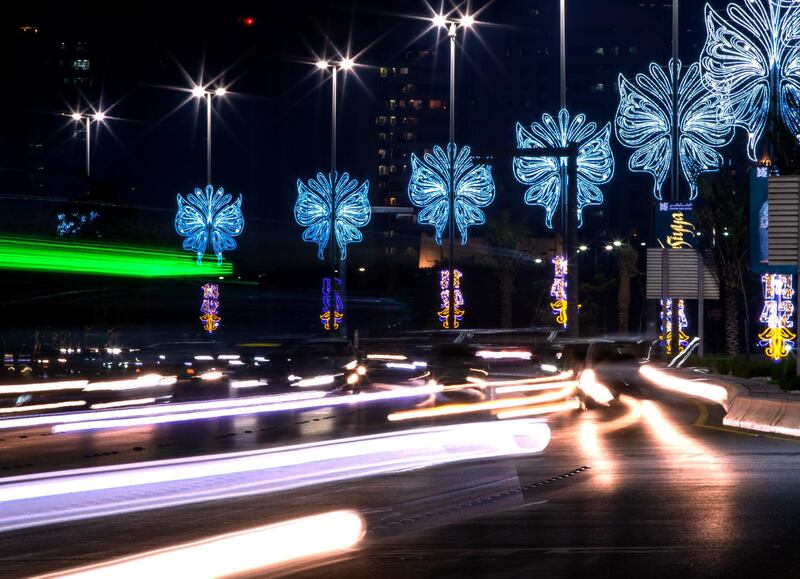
(751, 58)
(209, 217)
(644, 123)
(340, 200)
(546, 176)
(439, 175)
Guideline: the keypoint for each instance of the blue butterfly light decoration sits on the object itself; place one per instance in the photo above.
(437, 176)
(209, 217)
(341, 200)
(644, 123)
(546, 176)
(750, 56)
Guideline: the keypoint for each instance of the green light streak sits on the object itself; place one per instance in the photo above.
(36, 254)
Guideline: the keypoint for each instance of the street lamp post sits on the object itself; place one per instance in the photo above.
(98, 116)
(344, 65)
(201, 92)
(441, 21)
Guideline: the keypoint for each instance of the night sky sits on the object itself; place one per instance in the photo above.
(274, 125)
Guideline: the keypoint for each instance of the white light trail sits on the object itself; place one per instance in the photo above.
(319, 401)
(248, 383)
(315, 381)
(42, 387)
(504, 354)
(49, 498)
(589, 385)
(146, 381)
(667, 381)
(259, 549)
(31, 421)
(37, 407)
(538, 410)
(386, 357)
(120, 403)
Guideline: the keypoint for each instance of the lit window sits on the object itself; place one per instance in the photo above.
(392, 104)
(392, 200)
(401, 104)
(383, 137)
(383, 72)
(436, 104)
(381, 153)
(597, 87)
(411, 121)
(599, 50)
(80, 64)
(381, 121)
(403, 71)
(410, 136)
(383, 170)
(415, 104)
(392, 169)
(393, 121)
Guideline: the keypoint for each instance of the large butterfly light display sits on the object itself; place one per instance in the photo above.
(751, 58)
(437, 176)
(546, 176)
(644, 122)
(209, 218)
(340, 200)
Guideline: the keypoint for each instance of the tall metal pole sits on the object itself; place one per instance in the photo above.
(451, 315)
(570, 244)
(208, 138)
(675, 170)
(88, 146)
(332, 300)
(563, 53)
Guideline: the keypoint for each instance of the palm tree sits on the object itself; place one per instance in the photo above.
(509, 249)
(627, 269)
(723, 219)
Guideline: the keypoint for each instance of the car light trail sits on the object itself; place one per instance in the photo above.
(318, 400)
(146, 381)
(661, 379)
(211, 375)
(473, 381)
(36, 407)
(535, 387)
(504, 354)
(49, 498)
(248, 383)
(119, 403)
(31, 421)
(386, 357)
(315, 381)
(43, 387)
(40, 254)
(453, 409)
(589, 385)
(538, 410)
(259, 549)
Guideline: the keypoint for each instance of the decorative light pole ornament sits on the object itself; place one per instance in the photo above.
(331, 297)
(546, 177)
(458, 299)
(209, 307)
(644, 122)
(667, 325)
(332, 209)
(445, 184)
(558, 291)
(750, 58)
(777, 339)
(209, 217)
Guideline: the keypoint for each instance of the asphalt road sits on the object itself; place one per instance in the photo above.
(652, 487)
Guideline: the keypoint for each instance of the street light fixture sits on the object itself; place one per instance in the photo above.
(583, 248)
(441, 21)
(97, 116)
(617, 243)
(347, 63)
(609, 248)
(199, 91)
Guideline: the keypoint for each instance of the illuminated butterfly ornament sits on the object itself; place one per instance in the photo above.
(752, 58)
(546, 176)
(439, 175)
(644, 123)
(340, 200)
(209, 217)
